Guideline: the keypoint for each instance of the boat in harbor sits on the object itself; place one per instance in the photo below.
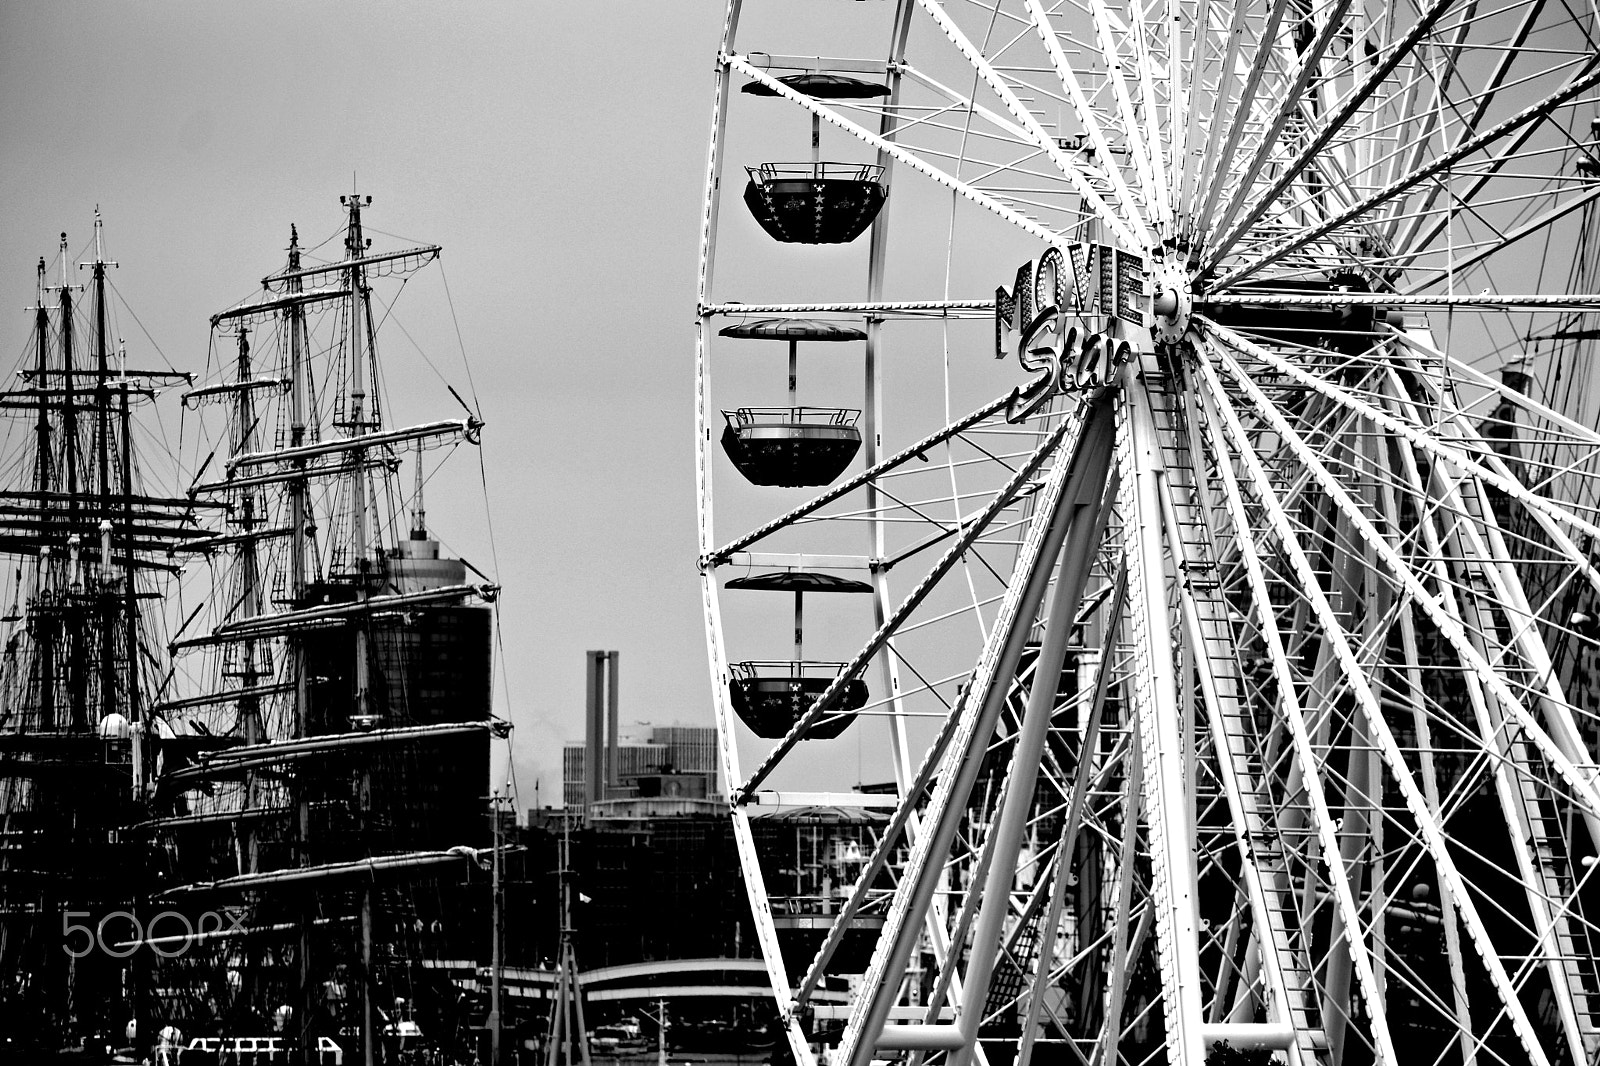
(622, 1037)
(333, 834)
(86, 554)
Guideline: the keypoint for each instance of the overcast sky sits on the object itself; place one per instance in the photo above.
(556, 154)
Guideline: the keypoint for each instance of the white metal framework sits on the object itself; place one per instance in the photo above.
(1226, 690)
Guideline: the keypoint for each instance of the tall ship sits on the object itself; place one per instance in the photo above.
(326, 828)
(88, 553)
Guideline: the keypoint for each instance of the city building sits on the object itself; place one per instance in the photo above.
(672, 762)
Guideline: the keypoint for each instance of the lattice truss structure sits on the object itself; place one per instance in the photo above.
(1222, 669)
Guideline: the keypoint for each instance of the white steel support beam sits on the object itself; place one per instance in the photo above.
(1154, 701)
(1245, 815)
(1121, 957)
(1066, 848)
(1089, 510)
(980, 708)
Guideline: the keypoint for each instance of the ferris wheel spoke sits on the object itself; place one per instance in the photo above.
(1036, 135)
(1572, 433)
(1511, 594)
(958, 104)
(1185, 99)
(1109, 33)
(1218, 169)
(1496, 83)
(1425, 122)
(1485, 250)
(1417, 242)
(898, 459)
(1233, 100)
(1437, 842)
(1093, 128)
(1330, 128)
(1148, 30)
(1412, 694)
(1587, 77)
(1306, 776)
(1435, 446)
(972, 531)
(1181, 95)
(1559, 755)
(1550, 912)
(1289, 106)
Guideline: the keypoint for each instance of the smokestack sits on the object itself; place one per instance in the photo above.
(593, 732)
(613, 769)
(601, 764)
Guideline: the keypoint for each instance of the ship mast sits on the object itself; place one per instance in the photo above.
(494, 889)
(137, 713)
(354, 245)
(42, 481)
(566, 1026)
(69, 438)
(105, 598)
(298, 532)
(250, 592)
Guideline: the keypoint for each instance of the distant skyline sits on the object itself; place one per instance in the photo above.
(560, 165)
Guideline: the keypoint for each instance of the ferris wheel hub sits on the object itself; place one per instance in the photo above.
(1173, 302)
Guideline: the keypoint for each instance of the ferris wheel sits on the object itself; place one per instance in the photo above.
(1154, 476)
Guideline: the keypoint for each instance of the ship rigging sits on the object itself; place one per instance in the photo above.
(340, 665)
